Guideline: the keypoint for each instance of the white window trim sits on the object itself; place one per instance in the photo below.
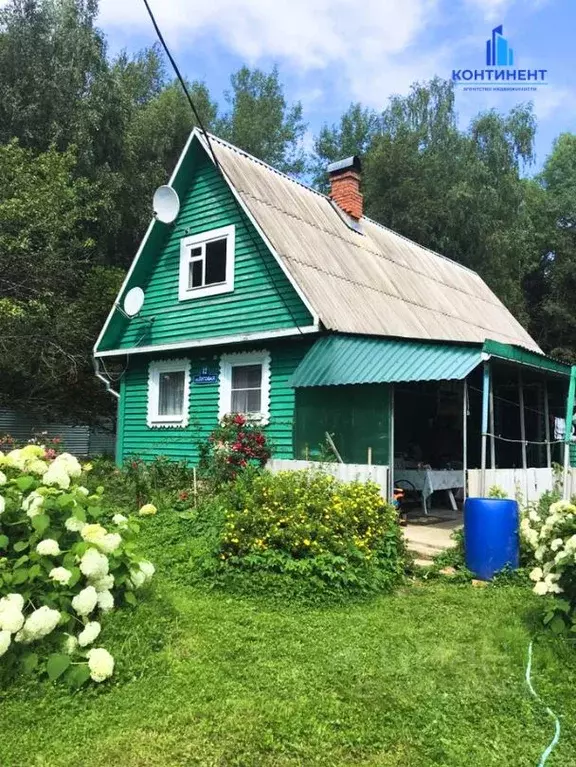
(227, 362)
(155, 369)
(186, 243)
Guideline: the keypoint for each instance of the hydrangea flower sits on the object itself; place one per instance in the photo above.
(33, 503)
(48, 548)
(103, 584)
(71, 644)
(11, 617)
(60, 575)
(2, 504)
(5, 641)
(74, 525)
(69, 464)
(100, 663)
(110, 542)
(536, 574)
(120, 520)
(39, 624)
(105, 601)
(93, 533)
(17, 600)
(56, 475)
(3, 478)
(141, 574)
(148, 510)
(89, 633)
(94, 564)
(85, 601)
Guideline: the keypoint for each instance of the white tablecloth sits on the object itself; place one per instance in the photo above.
(429, 480)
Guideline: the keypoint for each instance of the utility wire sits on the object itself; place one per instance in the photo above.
(241, 212)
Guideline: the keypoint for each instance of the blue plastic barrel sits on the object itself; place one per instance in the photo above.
(491, 540)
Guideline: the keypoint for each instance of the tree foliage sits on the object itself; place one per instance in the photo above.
(84, 141)
(85, 138)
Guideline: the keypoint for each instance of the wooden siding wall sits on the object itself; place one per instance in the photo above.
(135, 437)
(263, 298)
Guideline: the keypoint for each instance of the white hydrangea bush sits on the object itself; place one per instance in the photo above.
(549, 530)
(61, 569)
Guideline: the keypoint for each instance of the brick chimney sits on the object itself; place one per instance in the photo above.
(345, 185)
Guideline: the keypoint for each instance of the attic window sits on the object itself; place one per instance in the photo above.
(207, 264)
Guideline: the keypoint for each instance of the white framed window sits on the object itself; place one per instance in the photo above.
(168, 393)
(245, 385)
(207, 263)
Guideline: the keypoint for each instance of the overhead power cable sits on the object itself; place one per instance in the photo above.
(206, 135)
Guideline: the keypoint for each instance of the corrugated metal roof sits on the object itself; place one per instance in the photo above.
(335, 360)
(375, 283)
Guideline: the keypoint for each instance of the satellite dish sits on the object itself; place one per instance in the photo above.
(133, 301)
(166, 204)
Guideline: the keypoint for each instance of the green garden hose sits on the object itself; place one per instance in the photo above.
(548, 750)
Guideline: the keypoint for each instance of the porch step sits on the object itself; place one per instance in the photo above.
(423, 562)
(426, 542)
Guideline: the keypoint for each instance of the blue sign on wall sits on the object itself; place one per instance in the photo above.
(205, 377)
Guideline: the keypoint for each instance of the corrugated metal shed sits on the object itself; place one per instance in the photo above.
(78, 440)
(337, 360)
(375, 283)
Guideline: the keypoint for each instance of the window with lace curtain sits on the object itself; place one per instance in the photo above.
(245, 384)
(168, 393)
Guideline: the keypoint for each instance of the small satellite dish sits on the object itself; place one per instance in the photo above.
(166, 204)
(133, 301)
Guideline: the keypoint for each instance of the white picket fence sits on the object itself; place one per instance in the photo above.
(344, 471)
(526, 485)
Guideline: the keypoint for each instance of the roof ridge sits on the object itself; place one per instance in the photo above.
(266, 165)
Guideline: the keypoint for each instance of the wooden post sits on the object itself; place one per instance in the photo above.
(465, 434)
(522, 419)
(547, 426)
(195, 480)
(391, 445)
(369, 456)
(568, 432)
(485, 404)
(492, 428)
(306, 452)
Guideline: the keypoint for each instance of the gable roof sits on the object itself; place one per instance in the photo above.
(361, 279)
(375, 282)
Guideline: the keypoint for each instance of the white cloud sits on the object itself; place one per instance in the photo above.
(367, 45)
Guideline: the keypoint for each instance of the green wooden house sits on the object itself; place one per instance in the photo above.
(266, 297)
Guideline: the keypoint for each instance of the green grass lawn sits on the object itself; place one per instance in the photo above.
(433, 675)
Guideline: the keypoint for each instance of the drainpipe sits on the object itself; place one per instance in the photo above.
(568, 431)
(104, 380)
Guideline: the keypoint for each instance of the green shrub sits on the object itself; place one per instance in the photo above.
(335, 536)
(61, 571)
(549, 529)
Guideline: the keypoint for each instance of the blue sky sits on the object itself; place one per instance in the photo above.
(333, 52)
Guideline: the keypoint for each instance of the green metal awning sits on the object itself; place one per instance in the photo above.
(339, 359)
(525, 357)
